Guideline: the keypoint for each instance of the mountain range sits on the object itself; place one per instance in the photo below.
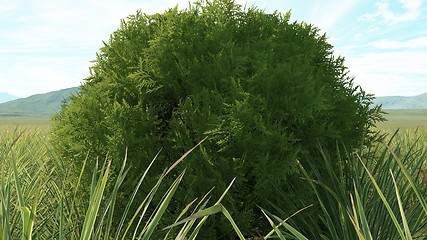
(39, 105)
(47, 104)
(399, 102)
(5, 97)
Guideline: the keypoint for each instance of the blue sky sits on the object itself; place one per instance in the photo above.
(47, 45)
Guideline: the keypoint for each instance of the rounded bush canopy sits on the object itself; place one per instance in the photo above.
(266, 92)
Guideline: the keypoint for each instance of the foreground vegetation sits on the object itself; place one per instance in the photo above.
(38, 199)
(379, 193)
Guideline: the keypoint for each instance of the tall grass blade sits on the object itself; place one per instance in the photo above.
(292, 230)
(109, 209)
(202, 213)
(355, 220)
(409, 179)
(184, 156)
(275, 228)
(282, 222)
(361, 215)
(26, 214)
(187, 226)
(94, 203)
(203, 220)
(126, 211)
(233, 224)
(408, 234)
(328, 218)
(155, 221)
(384, 200)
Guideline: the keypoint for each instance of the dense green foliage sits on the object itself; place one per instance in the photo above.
(266, 91)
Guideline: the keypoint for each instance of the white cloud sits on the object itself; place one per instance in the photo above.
(420, 42)
(387, 15)
(406, 63)
(340, 10)
(24, 76)
(7, 6)
(47, 45)
(71, 23)
(391, 73)
(372, 29)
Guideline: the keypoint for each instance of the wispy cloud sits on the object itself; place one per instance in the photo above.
(420, 42)
(391, 73)
(24, 75)
(385, 11)
(47, 45)
(340, 10)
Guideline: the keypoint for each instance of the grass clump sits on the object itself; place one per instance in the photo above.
(38, 199)
(376, 193)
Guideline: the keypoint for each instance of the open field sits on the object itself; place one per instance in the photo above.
(10, 123)
(404, 119)
(396, 118)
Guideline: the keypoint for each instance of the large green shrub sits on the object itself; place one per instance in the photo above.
(266, 91)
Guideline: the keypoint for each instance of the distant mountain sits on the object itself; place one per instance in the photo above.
(40, 105)
(5, 97)
(399, 102)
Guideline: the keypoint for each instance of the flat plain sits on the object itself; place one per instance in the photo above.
(11, 123)
(404, 119)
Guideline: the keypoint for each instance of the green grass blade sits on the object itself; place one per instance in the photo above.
(355, 219)
(5, 203)
(409, 179)
(284, 221)
(230, 219)
(200, 224)
(402, 212)
(126, 211)
(226, 191)
(27, 216)
(94, 204)
(111, 202)
(183, 230)
(155, 221)
(184, 156)
(295, 232)
(202, 213)
(362, 216)
(328, 222)
(28, 223)
(18, 188)
(384, 200)
(275, 228)
(187, 226)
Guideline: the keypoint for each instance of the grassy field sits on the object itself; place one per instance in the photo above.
(396, 118)
(385, 200)
(10, 123)
(405, 119)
